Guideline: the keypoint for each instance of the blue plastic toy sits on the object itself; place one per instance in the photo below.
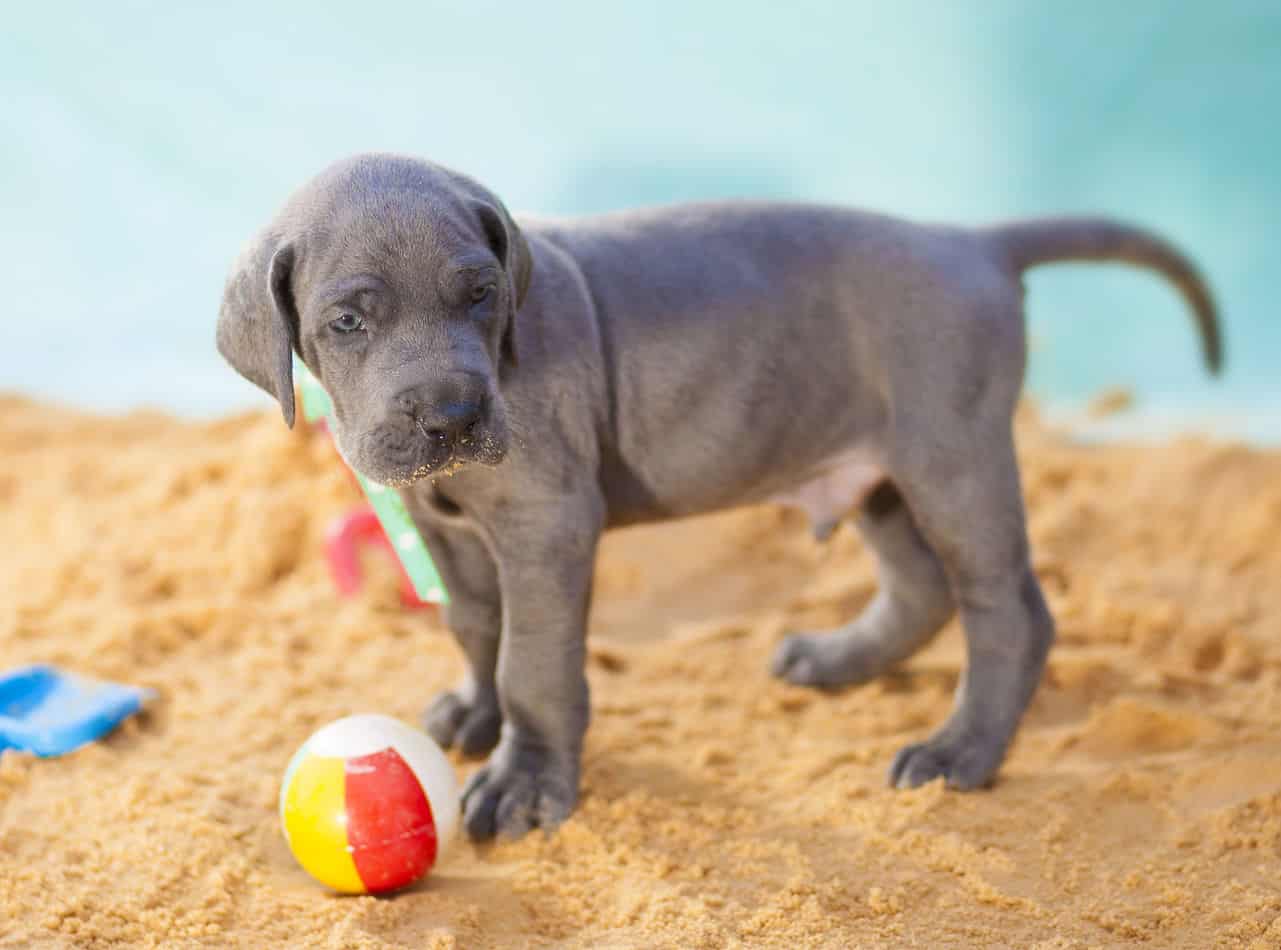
(49, 712)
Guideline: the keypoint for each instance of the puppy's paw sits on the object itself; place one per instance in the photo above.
(825, 660)
(473, 726)
(964, 762)
(512, 794)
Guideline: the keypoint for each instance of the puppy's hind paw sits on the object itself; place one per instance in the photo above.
(471, 726)
(824, 659)
(964, 763)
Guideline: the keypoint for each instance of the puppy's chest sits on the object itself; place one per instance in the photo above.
(433, 504)
(833, 489)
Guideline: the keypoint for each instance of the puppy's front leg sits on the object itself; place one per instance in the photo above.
(546, 556)
(467, 716)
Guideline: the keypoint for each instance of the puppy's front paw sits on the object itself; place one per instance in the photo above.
(472, 725)
(516, 791)
(964, 762)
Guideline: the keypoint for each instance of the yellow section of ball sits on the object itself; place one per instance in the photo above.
(314, 814)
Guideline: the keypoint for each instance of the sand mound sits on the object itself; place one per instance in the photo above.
(1142, 801)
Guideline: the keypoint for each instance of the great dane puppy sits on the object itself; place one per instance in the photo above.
(528, 386)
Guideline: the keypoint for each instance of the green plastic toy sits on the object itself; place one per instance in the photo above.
(387, 504)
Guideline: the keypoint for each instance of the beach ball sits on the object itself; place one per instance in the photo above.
(368, 804)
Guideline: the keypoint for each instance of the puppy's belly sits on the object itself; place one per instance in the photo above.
(838, 486)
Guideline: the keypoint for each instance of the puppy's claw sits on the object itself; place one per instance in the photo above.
(480, 801)
(964, 763)
(517, 814)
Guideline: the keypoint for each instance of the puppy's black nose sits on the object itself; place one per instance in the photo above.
(453, 423)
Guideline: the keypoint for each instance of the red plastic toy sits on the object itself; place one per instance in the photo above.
(344, 539)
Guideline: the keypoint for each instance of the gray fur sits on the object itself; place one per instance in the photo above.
(661, 363)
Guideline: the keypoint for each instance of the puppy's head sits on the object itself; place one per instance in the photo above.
(397, 282)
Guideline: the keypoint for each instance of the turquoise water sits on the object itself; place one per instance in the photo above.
(141, 143)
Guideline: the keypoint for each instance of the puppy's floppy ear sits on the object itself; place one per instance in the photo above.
(258, 321)
(508, 244)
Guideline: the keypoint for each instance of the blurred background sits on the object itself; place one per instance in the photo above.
(142, 143)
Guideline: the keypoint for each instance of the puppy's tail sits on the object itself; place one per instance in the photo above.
(1042, 241)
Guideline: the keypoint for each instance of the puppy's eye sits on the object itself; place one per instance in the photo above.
(481, 294)
(347, 323)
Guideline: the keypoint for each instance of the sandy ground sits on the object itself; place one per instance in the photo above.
(1141, 804)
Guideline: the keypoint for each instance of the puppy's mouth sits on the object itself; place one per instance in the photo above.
(398, 455)
(451, 451)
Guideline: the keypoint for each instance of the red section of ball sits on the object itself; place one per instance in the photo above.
(389, 822)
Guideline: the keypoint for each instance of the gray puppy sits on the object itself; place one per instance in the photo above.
(527, 387)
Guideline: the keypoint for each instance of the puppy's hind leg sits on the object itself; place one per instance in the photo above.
(960, 478)
(910, 607)
(468, 716)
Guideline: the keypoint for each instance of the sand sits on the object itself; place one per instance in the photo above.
(1140, 804)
